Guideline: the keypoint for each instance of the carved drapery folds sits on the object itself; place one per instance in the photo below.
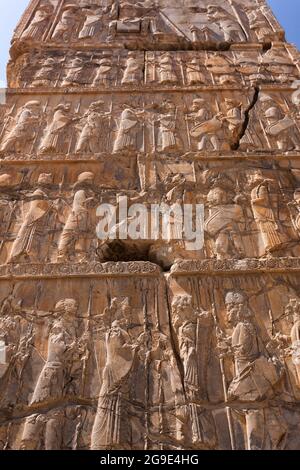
(145, 344)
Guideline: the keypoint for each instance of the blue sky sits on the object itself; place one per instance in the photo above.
(287, 11)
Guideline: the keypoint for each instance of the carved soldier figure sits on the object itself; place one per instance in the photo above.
(10, 337)
(258, 23)
(35, 225)
(67, 24)
(56, 134)
(295, 210)
(289, 345)
(205, 126)
(222, 68)
(39, 22)
(228, 25)
(7, 207)
(273, 238)
(280, 127)
(133, 73)
(76, 74)
(187, 321)
(256, 373)
(76, 236)
(104, 74)
(22, 129)
(46, 74)
(223, 224)
(194, 73)
(63, 349)
(234, 118)
(111, 430)
(128, 131)
(294, 309)
(168, 139)
(92, 22)
(95, 129)
(167, 75)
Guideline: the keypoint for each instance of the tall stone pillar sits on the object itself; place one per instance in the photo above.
(160, 341)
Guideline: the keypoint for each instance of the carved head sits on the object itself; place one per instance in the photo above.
(49, 62)
(217, 196)
(168, 105)
(44, 8)
(273, 113)
(66, 308)
(5, 180)
(237, 307)
(97, 105)
(85, 178)
(297, 196)
(232, 103)
(198, 104)
(32, 105)
(45, 178)
(292, 310)
(182, 305)
(105, 61)
(216, 12)
(63, 107)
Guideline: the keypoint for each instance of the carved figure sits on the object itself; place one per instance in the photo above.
(63, 348)
(39, 22)
(222, 224)
(21, 131)
(76, 235)
(35, 225)
(95, 128)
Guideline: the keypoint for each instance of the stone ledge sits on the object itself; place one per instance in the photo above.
(231, 266)
(145, 268)
(188, 156)
(92, 269)
(89, 90)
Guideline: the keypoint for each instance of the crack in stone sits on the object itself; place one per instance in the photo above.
(245, 125)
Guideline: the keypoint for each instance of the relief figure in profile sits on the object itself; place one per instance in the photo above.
(128, 130)
(58, 130)
(264, 210)
(93, 136)
(35, 224)
(64, 349)
(78, 230)
(92, 22)
(257, 374)
(39, 22)
(21, 130)
(111, 428)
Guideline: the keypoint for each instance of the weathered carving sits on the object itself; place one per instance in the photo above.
(20, 132)
(53, 382)
(76, 235)
(256, 374)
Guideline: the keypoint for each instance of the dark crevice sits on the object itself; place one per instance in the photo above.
(254, 100)
(172, 341)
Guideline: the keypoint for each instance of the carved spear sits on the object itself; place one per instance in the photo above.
(88, 351)
(7, 121)
(147, 340)
(224, 382)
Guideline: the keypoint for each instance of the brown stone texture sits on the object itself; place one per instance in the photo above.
(134, 344)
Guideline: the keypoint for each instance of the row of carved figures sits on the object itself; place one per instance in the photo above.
(61, 225)
(171, 69)
(144, 19)
(163, 127)
(258, 367)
